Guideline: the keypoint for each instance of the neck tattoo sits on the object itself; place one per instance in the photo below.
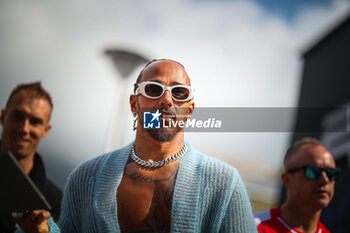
(160, 163)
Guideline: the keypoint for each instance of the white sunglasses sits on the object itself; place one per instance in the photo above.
(154, 90)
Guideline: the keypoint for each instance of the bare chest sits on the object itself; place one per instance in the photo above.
(144, 199)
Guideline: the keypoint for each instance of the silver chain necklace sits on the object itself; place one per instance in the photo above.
(170, 159)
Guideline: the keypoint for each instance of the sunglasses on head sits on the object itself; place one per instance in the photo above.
(154, 90)
(313, 172)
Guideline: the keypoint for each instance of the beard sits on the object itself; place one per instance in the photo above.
(162, 135)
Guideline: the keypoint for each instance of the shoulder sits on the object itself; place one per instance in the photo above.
(262, 216)
(215, 174)
(212, 166)
(269, 221)
(321, 226)
(92, 167)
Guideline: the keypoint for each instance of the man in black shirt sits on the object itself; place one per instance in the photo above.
(25, 120)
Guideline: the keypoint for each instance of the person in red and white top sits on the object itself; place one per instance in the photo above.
(309, 177)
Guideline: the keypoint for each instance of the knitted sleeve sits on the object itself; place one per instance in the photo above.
(77, 206)
(239, 215)
(69, 220)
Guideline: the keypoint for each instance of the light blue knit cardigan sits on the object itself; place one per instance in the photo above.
(209, 196)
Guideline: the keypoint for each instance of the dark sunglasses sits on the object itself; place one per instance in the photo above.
(313, 172)
(154, 90)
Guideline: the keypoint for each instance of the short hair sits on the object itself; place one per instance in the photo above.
(297, 145)
(148, 64)
(35, 89)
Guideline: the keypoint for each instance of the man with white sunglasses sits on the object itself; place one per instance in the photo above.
(309, 177)
(159, 182)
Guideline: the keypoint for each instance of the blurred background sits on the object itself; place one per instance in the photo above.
(238, 53)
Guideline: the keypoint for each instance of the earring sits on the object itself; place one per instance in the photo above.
(134, 127)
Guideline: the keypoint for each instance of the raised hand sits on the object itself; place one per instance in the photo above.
(34, 221)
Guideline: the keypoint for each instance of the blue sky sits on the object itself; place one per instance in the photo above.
(286, 9)
(289, 9)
